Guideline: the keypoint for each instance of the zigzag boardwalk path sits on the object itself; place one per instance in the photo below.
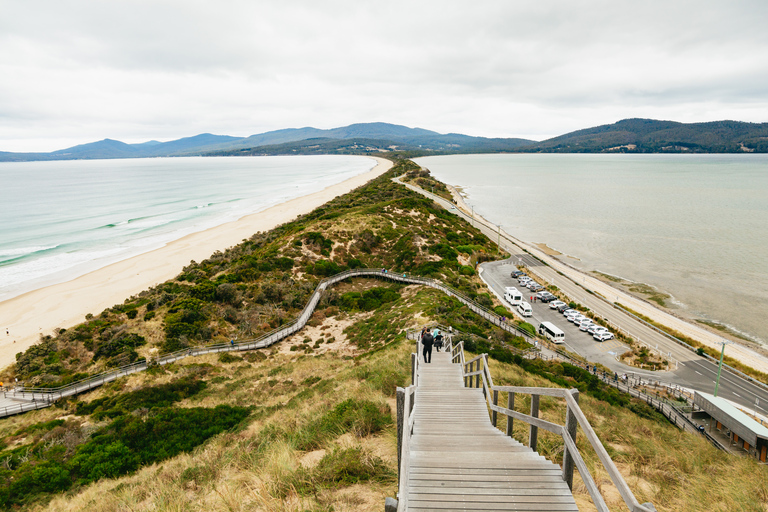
(459, 461)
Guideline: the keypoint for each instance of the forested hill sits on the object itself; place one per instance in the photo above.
(651, 136)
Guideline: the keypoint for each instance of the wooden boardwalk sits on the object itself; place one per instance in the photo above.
(459, 461)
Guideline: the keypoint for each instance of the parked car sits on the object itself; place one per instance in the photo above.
(536, 287)
(603, 336)
(572, 317)
(584, 325)
(517, 273)
(578, 319)
(556, 304)
(568, 311)
(545, 296)
(562, 308)
(596, 328)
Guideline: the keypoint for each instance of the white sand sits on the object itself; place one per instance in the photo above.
(66, 304)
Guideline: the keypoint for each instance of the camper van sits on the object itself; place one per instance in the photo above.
(512, 296)
(525, 309)
(552, 333)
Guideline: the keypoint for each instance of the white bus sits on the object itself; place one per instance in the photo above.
(548, 330)
(512, 296)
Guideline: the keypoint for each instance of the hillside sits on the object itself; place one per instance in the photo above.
(359, 138)
(308, 423)
(651, 136)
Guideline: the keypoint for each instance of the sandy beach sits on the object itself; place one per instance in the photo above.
(63, 305)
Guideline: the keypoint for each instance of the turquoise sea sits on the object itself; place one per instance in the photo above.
(62, 219)
(693, 226)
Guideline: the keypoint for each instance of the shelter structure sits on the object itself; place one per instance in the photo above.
(743, 431)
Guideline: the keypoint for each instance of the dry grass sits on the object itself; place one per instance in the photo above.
(243, 470)
(661, 464)
(234, 471)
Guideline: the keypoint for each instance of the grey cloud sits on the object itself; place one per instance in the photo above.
(499, 68)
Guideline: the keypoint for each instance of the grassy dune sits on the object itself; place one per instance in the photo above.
(307, 424)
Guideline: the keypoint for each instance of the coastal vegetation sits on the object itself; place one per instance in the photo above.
(308, 424)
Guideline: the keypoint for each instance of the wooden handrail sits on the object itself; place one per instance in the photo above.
(47, 395)
(572, 456)
(405, 450)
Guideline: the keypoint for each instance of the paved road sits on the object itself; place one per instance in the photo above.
(691, 371)
(688, 369)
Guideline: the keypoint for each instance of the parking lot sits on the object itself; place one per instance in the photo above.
(575, 340)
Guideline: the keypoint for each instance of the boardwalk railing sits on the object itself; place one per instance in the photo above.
(477, 374)
(35, 398)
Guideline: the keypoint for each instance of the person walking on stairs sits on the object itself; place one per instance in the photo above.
(427, 340)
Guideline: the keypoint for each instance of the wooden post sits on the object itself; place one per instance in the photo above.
(414, 360)
(533, 438)
(511, 407)
(477, 377)
(400, 414)
(495, 402)
(570, 430)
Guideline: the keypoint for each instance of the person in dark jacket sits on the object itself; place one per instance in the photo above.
(427, 341)
(438, 341)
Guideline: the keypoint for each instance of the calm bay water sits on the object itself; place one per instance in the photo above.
(62, 219)
(694, 226)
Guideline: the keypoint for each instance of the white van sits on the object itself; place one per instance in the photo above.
(525, 309)
(551, 332)
(512, 296)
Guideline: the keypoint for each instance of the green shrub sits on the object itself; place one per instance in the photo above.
(162, 395)
(369, 300)
(324, 268)
(122, 344)
(130, 442)
(226, 357)
(445, 251)
(361, 417)
(530, 329)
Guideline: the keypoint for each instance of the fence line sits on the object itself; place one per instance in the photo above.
(36, 398)
(479, 369)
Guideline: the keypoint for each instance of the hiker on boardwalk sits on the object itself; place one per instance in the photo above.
(427, 340)
(438, 339)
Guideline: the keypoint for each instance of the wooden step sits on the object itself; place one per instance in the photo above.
(459, 461)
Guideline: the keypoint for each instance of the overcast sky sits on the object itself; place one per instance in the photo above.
(78, 71)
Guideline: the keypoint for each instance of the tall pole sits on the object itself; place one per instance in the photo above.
(720, 366)
(498, 242)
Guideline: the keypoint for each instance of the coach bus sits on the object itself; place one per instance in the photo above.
(552, 333)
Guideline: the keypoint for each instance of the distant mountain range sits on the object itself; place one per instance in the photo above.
(628, 136)
(355, 138)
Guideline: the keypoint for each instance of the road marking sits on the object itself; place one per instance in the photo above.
(738, 395)
(698, 372)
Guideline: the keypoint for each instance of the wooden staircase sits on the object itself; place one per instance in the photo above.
(459, 461)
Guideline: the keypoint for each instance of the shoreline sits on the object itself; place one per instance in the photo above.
(62, 305)
(739, 350)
